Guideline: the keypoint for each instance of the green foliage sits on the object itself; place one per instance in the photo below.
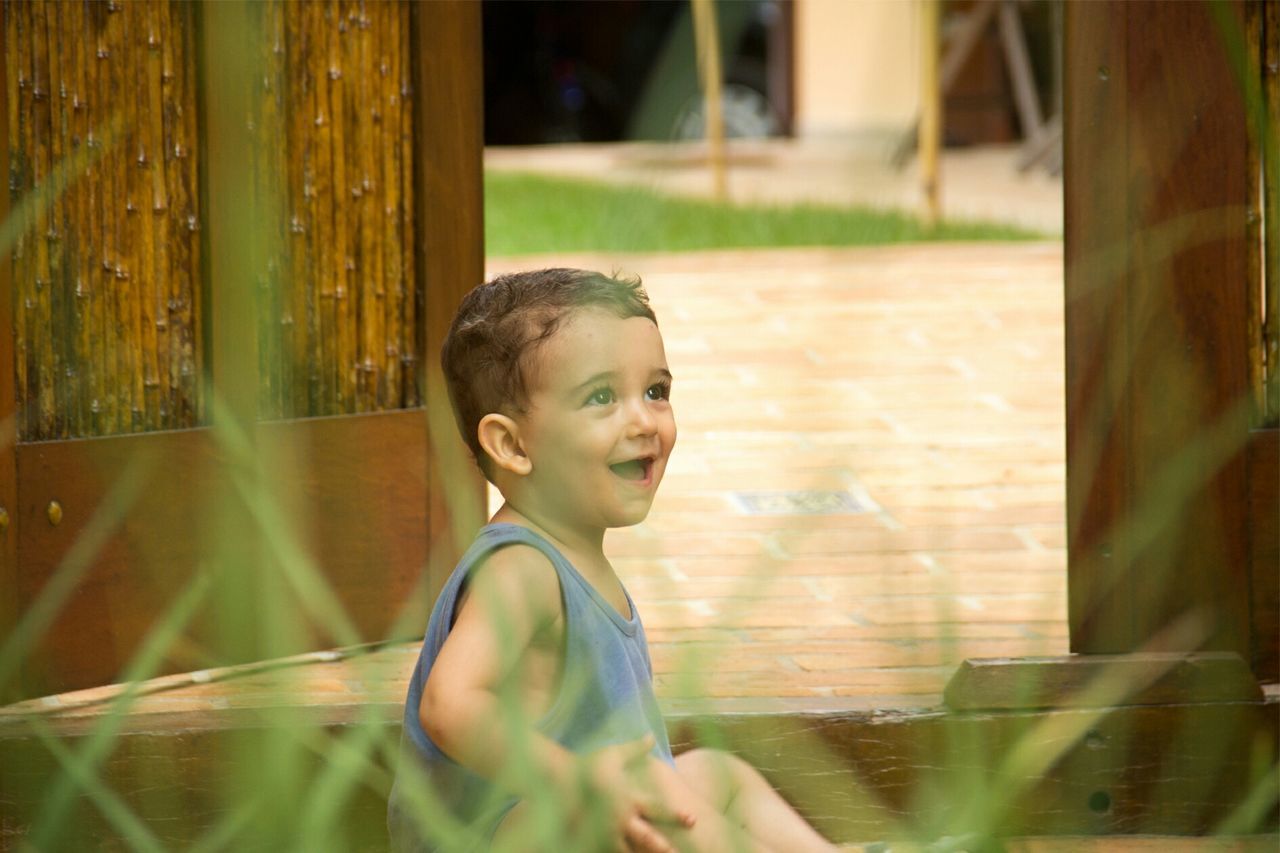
(529, 214)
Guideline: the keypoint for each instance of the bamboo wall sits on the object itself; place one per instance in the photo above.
(338, 312)
(108, 280)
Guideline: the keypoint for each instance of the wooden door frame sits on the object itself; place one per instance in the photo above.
(448, 196)
(1134, 310)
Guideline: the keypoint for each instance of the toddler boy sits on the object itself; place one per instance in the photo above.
(531, 711)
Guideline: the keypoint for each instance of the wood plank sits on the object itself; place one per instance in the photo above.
(449, 209)
(358, 481)
(9, 612)
(1264, 560)
(1100, 680)
(859, 776)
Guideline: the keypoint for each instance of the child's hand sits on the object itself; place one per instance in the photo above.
(620, 775)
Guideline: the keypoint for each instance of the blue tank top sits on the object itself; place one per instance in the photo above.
(605, 694)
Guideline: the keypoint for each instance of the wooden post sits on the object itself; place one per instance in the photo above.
(707, 38)
(1158, 394)
(930, 111)
(449, 209)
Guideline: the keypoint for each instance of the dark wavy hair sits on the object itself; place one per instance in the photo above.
(501, 323)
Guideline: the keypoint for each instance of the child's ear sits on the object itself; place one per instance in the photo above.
(500, 438)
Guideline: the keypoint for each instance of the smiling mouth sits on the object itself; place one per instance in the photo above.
(634, 469)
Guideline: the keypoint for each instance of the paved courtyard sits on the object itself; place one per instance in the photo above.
(869, 481)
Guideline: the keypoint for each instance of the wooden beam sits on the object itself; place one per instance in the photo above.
(859, 776)
(1084, 681)
(449, 210)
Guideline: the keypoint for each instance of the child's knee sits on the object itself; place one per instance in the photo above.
(715, 774)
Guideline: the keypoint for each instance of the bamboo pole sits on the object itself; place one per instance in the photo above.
(393, 265)
(187, 316)
(317, 307)
(269, 156)
(930, 112)
(17, 26)
(113, 217)
(99, 116)
(195, 354)
(378, 205)
(341, 204)
(410, 281)
(81, 197)
(327, 275)
(131, 249)
(41, 321)
(60, 312)
(95, 118)
(146, 47)
(370, 316)
(297, 143)
(58, 329)
(270, 153)
(1271, 216)
(707, 40)
(162, 94)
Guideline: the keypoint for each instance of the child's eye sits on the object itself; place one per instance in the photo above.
(661, 391)
(601, 397)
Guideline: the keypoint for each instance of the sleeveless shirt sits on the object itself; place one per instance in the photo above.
(605, 694)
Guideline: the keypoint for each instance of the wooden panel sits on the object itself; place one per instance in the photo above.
(449, 196)
(107, 274)
(1158, 398)
(333, 185)
(359, 485)
(1264, 539)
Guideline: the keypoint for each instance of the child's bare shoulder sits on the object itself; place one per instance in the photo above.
(516, 578)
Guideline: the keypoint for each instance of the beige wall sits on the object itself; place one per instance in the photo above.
(857, 67)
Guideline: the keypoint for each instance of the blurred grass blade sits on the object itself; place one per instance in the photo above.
(98, 745)
(80, 772)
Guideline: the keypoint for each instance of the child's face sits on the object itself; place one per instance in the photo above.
(599, 426)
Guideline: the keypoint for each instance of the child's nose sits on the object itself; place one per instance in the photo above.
(641, 420)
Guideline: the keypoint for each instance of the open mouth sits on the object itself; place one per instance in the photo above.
(633, 469)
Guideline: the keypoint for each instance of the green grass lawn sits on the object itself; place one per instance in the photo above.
(527, 214)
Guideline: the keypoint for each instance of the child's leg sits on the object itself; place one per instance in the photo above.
(741, 794)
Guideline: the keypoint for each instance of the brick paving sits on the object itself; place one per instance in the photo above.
(925, 383)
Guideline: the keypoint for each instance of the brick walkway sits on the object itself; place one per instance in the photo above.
(921, 385)
(924, 383)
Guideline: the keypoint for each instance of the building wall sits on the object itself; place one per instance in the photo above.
(857, 67)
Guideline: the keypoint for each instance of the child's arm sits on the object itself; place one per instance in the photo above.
(514, 597)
